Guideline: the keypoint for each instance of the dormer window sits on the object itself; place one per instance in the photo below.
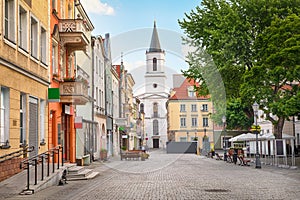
(154, 64)
(191, 91)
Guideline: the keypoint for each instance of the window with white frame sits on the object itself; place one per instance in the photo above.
(4, 117)
(34, 37)
(96, 64)
(99, 98)
(194, 121)
(54, 58)
(182, 107)
(9, 17)
(182, 139)
(42, 121)
(204, 107)
(43, 50)
(191, 92)
(97, 103)
(194, 107)
(23, 119)
(182, 122)
(205, 121)
(23, 30)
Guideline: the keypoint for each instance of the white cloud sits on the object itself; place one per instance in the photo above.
(97, 7)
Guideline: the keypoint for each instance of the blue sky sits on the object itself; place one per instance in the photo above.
(130, 24)
(117, 16)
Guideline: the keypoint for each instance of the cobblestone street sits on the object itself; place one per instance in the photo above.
(172, 176)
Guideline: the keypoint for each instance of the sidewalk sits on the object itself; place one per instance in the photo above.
(17, 183)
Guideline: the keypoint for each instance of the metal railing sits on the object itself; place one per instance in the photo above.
(16, 154)
(48, 156)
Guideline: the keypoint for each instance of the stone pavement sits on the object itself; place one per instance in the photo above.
(174, 176)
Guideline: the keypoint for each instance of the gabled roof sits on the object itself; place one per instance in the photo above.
(155, 45)
(181, 92)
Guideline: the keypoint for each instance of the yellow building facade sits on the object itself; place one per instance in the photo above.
(189, 115)
(24, 79)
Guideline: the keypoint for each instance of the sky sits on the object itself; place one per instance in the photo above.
(130, 24)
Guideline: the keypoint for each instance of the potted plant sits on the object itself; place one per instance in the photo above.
(123, 148)
(103, 154)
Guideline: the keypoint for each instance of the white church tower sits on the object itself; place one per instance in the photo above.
(156, 95)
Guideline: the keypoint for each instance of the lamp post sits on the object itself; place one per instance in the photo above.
(257, 157)
(225, 141)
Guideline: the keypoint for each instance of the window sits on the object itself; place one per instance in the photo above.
(182, 139)
(54, 4)
(62, 9)
(182, 107)
(155, 85)
(205, 121)
(43, 53)
(191, 92)
(34, 37)
(298, 139)
(155, 127)
(23, 119)
(194, 108)
(194, 121)
(154, 64)
(54, 58)
(204, 107)
(155, 110)
(9, 32)
(182, 122)
(97, 97)
(142, 108)
(23, 28)
(97, 67)
(4, 117)
(42, 121)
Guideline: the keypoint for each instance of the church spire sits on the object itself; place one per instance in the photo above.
(155, 45)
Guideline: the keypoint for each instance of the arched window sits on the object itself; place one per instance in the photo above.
(154, 64)
(155, 127)
(155, 110)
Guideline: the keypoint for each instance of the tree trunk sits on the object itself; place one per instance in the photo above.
(278, 126)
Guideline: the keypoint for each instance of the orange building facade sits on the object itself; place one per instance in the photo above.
(65, 92)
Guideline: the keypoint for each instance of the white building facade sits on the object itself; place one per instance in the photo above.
(155, 96)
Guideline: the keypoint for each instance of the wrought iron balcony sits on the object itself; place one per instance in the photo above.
(72, 34)
(74, 92)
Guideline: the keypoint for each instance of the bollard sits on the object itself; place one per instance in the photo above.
(42, 167)
(35, 171)
(58, 158)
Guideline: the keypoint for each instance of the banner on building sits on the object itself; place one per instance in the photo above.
(53, 95)
(78, 122)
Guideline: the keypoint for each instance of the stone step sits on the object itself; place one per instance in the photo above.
(81, 173)
(75, 169)
(89, 176)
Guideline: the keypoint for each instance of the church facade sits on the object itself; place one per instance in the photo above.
(155, 96)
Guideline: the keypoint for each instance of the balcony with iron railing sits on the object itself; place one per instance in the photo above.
(72, 34)
(74, 92)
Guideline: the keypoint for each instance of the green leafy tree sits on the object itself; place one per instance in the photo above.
(254, 64)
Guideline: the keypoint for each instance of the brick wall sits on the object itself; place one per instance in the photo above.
(9, 168)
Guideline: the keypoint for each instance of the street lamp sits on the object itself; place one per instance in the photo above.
(257, 157)
(225, 141)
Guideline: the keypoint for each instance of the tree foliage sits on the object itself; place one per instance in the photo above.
(255, 46)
